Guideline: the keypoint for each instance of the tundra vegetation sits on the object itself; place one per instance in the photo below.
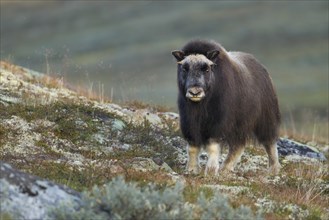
(55, 133)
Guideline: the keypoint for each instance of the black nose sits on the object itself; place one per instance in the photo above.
(194, 92)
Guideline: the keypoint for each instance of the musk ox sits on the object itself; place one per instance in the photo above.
(225, 98)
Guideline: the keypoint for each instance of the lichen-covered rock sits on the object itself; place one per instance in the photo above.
(294, 211)
(148, 165)
(231, 190)
(289, 147)
(24, 196)
(23, 139)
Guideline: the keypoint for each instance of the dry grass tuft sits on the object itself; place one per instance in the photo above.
(304, 185)
(308, 126)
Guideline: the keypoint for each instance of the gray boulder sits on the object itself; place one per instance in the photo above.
(24, 196)
(289, 147)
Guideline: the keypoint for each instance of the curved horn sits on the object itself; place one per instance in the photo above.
(178, 54)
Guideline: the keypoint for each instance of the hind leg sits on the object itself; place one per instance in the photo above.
(273, 159)
(233, 157)
(193, 159)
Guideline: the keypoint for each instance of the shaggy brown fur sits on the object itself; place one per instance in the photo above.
(225, 98)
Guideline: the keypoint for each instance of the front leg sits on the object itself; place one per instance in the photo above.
(193, 159)
(233, 157)
(213, 150)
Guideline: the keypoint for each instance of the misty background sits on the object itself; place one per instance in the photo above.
(123, 48)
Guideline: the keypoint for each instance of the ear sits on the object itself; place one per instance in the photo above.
(178, 54)
(212, 55)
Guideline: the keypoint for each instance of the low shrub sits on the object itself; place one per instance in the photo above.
(121, 200)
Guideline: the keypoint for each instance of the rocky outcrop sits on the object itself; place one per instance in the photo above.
(25, 196)
(289, 147)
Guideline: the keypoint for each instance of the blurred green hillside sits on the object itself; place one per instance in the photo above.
(125, 47)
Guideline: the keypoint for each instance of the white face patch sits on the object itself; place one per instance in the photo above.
(195, 59)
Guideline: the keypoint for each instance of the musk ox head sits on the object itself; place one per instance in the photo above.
(195, 73)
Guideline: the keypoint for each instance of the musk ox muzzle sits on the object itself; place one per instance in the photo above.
(195, 94)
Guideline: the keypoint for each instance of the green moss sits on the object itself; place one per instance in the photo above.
(192, 192)
(255, 187)
(143, 105)
(159, 178)
(134, 151)
(66, 174)
(60, 173)
(74, 122)
(315, 214)
(145, 141)
(63, 173)
(6, 216)
(47, 149)
(3, 135)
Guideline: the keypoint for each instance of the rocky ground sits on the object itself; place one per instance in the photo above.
(71, 142)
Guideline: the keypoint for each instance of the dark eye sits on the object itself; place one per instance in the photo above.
(185, 68)
(205, 68)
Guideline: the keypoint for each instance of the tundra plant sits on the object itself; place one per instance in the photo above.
(121, 200)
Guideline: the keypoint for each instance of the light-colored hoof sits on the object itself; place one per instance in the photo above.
(212, 167)
(193, 170)
(226, 170)
(274, 169)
